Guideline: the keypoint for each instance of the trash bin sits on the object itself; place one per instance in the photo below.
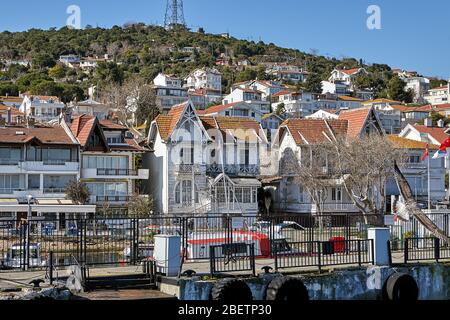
(338, 244)
(327, 248)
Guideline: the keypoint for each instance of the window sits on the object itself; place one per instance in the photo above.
(187, 155)
(9, 183)
(34, 181)
(184, 193)
(57, 182)
(10, 154)
(336, 194)
(301, 193)
(246, 195)
(105, 162)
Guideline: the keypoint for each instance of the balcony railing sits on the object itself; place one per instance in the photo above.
(54, 190)
(103, 199)
(117, 172)
(55, 162)
(238, 169)
(9, 162)
(10, 191)
(188, 168)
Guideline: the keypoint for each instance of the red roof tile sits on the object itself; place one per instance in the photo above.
(46, 135)
(312, 131)
(436, 132)
(356, 120)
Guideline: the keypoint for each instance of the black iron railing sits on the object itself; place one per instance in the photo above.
(232, 257)
(117, 172)
(322, 253)
(419, 249)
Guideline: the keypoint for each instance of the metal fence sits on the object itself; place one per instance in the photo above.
(419, 249)
(413, 229)
(98, 241)
(323, 253)
(232, 257)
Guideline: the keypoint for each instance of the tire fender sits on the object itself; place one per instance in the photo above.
(231, 290)
(400, 287)
(287, 289)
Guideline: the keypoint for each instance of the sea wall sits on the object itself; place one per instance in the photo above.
(433, 281)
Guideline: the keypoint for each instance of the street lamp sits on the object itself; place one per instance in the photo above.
(27, 234)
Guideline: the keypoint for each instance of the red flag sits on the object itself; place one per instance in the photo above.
(425, 154)
(445, 145)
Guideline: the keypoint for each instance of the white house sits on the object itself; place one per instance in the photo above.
(294, 138)
(287, 73)
(108, 166)
(205, 78)
(90, 107)
(439, 95)
(416, 171)
(42, 108)
(419, 85)
(38, 162)
(268, 88)
(346, 76)
(236, 109)
(204, 164)
(169, 91)
(336, 87)
(250, 96)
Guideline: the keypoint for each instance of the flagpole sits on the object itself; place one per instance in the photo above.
(429, 185)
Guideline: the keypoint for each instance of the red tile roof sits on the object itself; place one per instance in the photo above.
(46, 135)
(218, 108)
(312, 131)
(282, 93)
(166, 124)
(436, 132)
(82, 127)
(356, 120)
(350, 71)
(441, 107)
(108, 124)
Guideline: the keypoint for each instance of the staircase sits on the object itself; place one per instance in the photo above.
(140, 281)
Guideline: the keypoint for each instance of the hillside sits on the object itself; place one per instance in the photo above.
(146, 51)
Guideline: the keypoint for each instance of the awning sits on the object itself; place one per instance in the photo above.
(9, 201)
(53, 202)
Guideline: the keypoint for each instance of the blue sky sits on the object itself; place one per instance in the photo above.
(414, 35)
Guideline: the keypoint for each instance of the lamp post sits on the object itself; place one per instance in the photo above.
(27, 233)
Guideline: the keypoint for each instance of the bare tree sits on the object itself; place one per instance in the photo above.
(364, 166)
(134, 102)
(309, 170)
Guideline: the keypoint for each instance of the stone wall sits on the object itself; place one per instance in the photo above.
(350, 284)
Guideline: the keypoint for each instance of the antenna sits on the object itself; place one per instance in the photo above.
(174, 14)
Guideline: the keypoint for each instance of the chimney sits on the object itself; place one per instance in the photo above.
(428, 122)
(9, 116)
(440, 123)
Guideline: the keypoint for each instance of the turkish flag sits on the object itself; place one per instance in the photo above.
(425, 154)
(445, 144)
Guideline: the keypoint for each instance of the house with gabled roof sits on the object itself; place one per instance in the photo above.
(204, 164)
(108, 162)
(415, 170)
(346, 75)
(37, 162)
(295, 138)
